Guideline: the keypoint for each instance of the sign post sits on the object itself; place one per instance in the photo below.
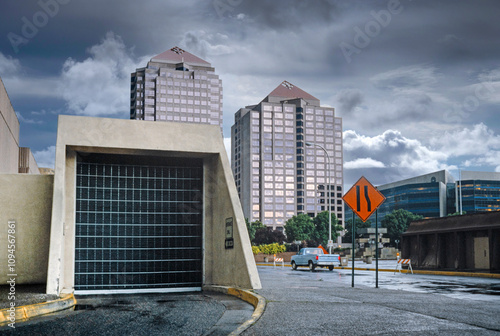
(376, 249)
(364, 199)
(353, 246)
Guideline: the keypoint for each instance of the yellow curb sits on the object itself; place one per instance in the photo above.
(257, 301)
(23, 313)
(467, 274)
(448, 273)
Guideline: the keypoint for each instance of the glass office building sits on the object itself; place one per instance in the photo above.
(438, 194)
(279, 159)
(480, 191)
(176, 86)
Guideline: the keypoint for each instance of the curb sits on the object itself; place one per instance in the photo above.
(257, 301)
(448, 273)
(23, 313)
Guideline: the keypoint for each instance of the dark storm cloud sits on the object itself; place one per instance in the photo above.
(427, 59)
(449, 34)
(349, 99)
(289, 15)
(151, 27)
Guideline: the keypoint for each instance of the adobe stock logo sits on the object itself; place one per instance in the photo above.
(30, 28)
(363, 37)
(483, 92)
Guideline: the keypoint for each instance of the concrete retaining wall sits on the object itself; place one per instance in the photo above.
(25, 201)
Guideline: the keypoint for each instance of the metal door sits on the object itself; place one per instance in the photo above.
(138, 224)
(481, 253)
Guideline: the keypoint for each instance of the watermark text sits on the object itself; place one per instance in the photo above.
(11, 272)
(31, 26)
(363, 35)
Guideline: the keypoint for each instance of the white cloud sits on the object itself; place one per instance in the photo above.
(205, 45)
(27, 120)
(96, 86)
(8, 65)
(400, 157)
(487, 89)
(26, 86)
(477, 141)
(19, 84)
(478, 146)
(403, 78)
(46, 158)
(363, 163)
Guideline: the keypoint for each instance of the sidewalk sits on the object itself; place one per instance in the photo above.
(241, 308)
(24, 302)
(389, 265)
(24, 295)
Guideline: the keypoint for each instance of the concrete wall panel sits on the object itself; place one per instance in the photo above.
(230, 267)
(9, 134)
(27, 200)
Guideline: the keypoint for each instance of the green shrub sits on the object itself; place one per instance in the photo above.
(273, 248)
(255, 250)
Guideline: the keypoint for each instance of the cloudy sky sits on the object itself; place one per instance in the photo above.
(417, 83)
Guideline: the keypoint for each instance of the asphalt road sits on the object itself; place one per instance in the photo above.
(298, 303)
(469, 288)
(324, 303)
(146, 314)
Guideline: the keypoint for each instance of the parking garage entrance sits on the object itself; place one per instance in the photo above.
(138, 224)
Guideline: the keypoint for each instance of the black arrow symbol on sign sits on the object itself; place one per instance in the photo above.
(358, 199)
(368, 203)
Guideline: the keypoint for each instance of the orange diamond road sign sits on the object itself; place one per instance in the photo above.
(363, 198)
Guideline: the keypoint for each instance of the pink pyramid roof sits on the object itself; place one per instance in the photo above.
(288, 90)
(177, 55)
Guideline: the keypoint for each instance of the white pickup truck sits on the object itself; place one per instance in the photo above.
(314, 257)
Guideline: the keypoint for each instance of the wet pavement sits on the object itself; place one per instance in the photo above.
(206, 313)
(298, 302)
(324, 303)
(472, 288)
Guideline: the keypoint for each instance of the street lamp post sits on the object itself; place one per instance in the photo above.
(310, 144)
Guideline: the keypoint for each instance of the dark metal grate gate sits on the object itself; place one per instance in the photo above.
(138, 226)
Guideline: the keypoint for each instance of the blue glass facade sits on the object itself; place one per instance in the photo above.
(436, 194)
(420, 198)
(480, 196)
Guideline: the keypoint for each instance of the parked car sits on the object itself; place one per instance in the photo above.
(314, 257)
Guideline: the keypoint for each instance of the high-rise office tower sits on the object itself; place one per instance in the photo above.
(279, 157)
(176, 86)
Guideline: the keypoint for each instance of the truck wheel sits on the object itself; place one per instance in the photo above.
(312, 267)
(330, 268)
(294, 266)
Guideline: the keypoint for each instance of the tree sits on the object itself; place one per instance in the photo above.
(321, 233)
(397, 222)
(267, 235)
(359, 225)
(300, 227)
(253, 227)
